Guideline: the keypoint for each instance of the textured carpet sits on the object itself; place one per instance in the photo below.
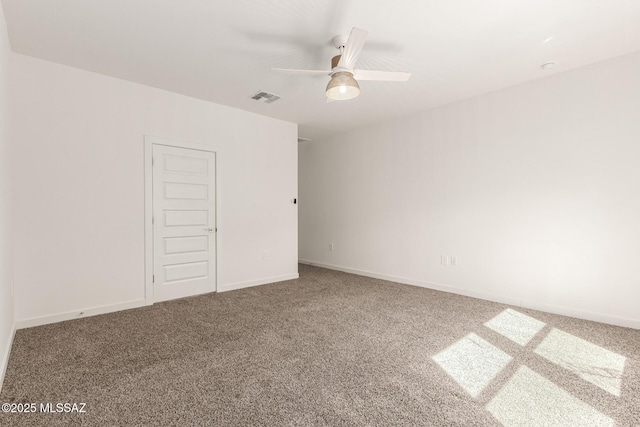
(328, 349)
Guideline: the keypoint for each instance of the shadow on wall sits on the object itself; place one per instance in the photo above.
(528, 398)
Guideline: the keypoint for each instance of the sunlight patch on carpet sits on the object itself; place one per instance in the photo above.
(472, 362)
(590, 362)
(532, 400)
(515, 326)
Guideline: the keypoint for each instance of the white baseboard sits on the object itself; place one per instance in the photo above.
(250, 283)
(78, 314)
(4, 362)
(582, 314)
(94, 311)
(535, 305)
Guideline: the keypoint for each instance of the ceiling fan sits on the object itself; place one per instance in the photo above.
(344, 77)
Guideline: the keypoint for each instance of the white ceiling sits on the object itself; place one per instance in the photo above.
(222, 51)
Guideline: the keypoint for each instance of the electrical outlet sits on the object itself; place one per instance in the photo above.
(331, 247)
(454, 260)
(265, 256)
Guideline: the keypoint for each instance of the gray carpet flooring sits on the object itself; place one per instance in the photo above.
(329, 349)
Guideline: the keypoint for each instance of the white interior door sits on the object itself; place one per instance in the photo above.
(184, 222)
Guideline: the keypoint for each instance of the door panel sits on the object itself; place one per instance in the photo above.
(174, 190)
(184, 222)
(182, 245)
(185, 218)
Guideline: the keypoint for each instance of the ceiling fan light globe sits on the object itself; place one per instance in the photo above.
(342, 87)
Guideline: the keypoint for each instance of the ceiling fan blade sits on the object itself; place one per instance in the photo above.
(382, 76)
(302, 72)
(352, 49)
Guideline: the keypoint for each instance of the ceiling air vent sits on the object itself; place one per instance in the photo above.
(265, 97)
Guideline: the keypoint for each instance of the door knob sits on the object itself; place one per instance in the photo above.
(210, 229)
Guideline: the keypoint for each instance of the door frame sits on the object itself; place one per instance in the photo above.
(149, 142)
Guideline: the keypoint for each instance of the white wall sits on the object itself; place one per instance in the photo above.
(79, 189)
(6, 297)
(535, 189)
